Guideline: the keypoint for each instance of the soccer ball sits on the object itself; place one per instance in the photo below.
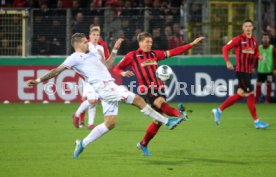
(164, 73)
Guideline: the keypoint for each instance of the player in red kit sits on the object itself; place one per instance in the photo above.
(247, 52)
(144, 62)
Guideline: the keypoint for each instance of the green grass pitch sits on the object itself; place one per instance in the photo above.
(38, 141)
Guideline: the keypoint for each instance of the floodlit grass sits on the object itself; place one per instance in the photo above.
(38, 141)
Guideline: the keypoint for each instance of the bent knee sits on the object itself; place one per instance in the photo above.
(92, 101)
(110, 122)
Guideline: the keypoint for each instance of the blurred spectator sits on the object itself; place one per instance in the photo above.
(125, 46)
(112, 24)
(126, 28)
(157, 15)
(60, 4)
(18, 51)
(79, 24)
(6, 3)
(94, 10)
(159, 42)
(271, 31)
(195, 12)
(19, 3)
(57, 37)
(40, 45)
(178, 34)
(171, 40)
(134, 43)
(5, 47)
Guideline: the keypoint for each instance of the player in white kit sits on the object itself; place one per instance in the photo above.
(89, 95)
(95, 71)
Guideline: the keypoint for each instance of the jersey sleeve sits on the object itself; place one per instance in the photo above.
(160, 54)
(231, 44)
(69, 62)
(123, 64)
(257, 51)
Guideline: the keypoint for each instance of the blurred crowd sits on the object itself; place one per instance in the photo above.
(52, 21)
(117, 18)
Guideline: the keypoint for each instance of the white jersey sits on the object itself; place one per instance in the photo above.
(88, 65)
(94, 49)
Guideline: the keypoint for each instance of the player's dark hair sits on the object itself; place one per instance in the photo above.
(248, 21)
(77, 38)
(143, 35)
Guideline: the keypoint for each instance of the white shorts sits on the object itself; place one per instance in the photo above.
(110, 93)
(88, 91)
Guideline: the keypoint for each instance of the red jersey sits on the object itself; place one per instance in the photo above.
(246, 50)
(144, 64)
(106, 51)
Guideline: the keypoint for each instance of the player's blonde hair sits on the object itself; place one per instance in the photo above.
(94, 28)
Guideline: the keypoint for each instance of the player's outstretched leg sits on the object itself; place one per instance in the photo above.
(261, 125)
(78, 149)
(217, 114)
(171, 123)
(144, 149)
(181, 108)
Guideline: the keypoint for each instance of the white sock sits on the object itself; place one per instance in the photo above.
(91, 114)
(96, 133)
(154, 115)
(256, 121)
(84, 105)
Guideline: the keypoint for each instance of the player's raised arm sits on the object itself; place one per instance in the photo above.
(183, 48)
(54, 72)
(178, 50)
(109, 62)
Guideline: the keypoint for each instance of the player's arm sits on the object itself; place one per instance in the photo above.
(225, 51)
(256, 58)
(110, 61)
(124, 63)
(178, 50)
(54, 72)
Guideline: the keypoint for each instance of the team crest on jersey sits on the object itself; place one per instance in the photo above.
(248, 51)
(148, 62)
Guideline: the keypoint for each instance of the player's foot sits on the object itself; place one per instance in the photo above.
(261, 125)
(217, 114)
(173, 122)
(78, 149)
(182, 110)
(91, 127)
(75, 121)
(144, 149)
(81, 124)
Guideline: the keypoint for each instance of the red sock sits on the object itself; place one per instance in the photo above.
(82, 114)
(229, 101)
(258, 93)
(150, 133)
(268, 92)
(168, 110)
(251, 106)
